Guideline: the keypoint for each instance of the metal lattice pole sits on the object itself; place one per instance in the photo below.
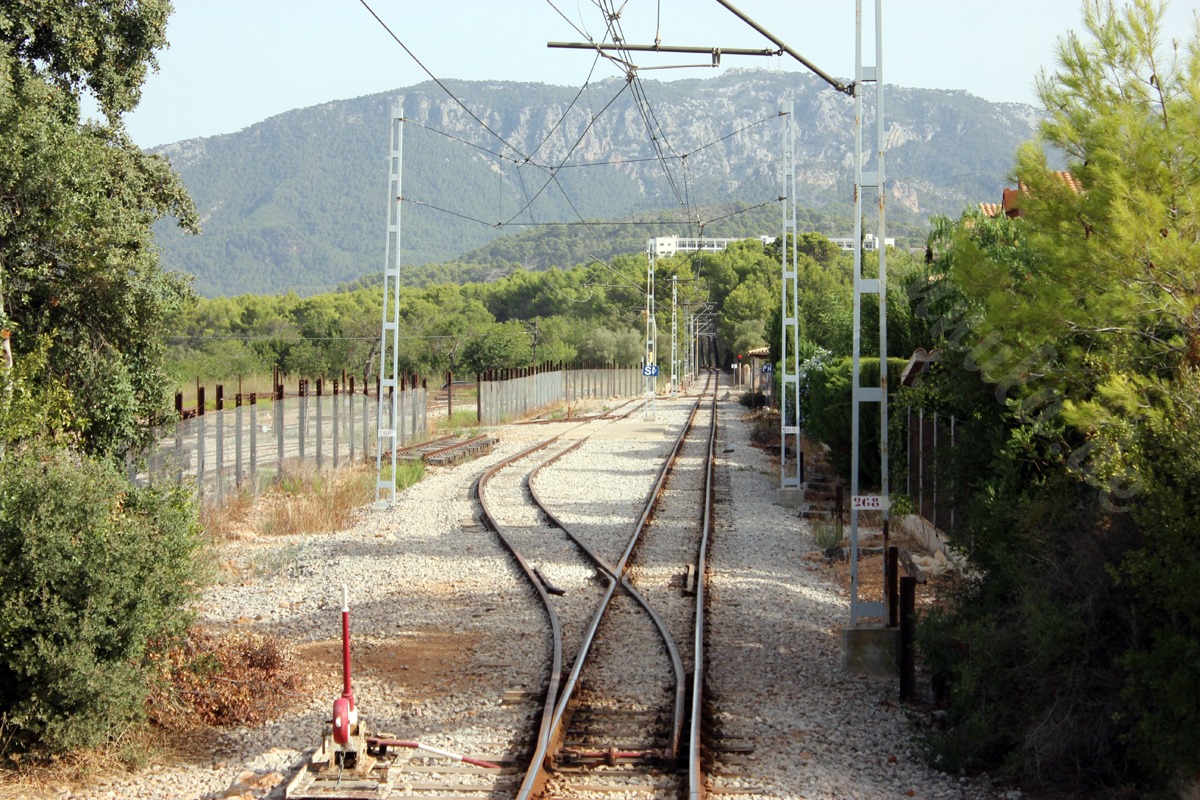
(674, 335)
(863, 181)
(789, 375)
(650, 365)
(389, 334)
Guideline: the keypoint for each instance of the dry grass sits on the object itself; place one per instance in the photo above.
(234, 678)
(463, 421)
(33, 779)
(229, 519)
(305, 501)
(312, 502)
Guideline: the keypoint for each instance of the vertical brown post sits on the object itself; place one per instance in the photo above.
(893, 586)
(199, 401)
(220, 397)
(908, 630)
(179, 405)
(254, 442)
(479, 398)
(449, 394)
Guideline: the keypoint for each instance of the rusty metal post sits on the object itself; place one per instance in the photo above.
(302, 415)
(220, 441)
(278, 420)
(200, 440)
(237, 439)
(180, 429)
(254, 442)
(908, 632)
(893, 588)
(320, 424)
(336, 399)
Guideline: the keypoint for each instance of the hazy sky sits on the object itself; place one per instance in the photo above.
(232, 63)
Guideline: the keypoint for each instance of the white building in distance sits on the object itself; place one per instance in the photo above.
(664, 246)
(870, 242)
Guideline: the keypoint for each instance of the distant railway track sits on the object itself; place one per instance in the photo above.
(617, 692)
(607, 523)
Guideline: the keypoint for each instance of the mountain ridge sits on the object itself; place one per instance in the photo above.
(296, 202)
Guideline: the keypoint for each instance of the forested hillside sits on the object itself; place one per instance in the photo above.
(296, 202)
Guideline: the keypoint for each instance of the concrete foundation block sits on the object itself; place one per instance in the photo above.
(791, 497)
(871, 650)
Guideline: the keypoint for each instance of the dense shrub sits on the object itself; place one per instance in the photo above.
(755, 399)
(827, 413)
(91, 570)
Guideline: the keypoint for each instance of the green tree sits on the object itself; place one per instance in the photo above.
(1070, 344)
(94, 571)
(505, 346)
(77, 262)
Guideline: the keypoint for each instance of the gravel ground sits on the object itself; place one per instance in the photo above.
(436, 606)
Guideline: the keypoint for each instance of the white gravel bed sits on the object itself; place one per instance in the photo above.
(598, 490)
(437, 608)
(774, 658)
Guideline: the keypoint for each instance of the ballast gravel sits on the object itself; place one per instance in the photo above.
(424, 573)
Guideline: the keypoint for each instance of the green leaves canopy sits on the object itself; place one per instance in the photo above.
(77, 263)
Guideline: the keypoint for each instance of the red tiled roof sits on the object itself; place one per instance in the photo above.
(1010, 200)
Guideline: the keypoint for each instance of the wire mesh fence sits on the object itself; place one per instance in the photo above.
(508, 395)
(260, 439)
(931, 480)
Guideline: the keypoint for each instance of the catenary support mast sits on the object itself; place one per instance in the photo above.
(868, 181)
(389, 333)
(789, 375)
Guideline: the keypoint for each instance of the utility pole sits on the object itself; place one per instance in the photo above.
(865, 180)
(650, 366)
(388, 416)
(789, 373)
(674, 335)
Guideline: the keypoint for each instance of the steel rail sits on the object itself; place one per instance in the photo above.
(695, 729)
(531, 573)
(534, 579)
(615, 576)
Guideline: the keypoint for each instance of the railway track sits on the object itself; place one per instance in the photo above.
(614, 576)
(623, 721)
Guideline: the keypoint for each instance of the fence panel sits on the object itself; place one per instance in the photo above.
(227, 451)
(932, 480)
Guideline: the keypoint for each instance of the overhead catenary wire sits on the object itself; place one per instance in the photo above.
(524, 158)
(645, 109)
(654, 129)
(439, 82)
(578, 141)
